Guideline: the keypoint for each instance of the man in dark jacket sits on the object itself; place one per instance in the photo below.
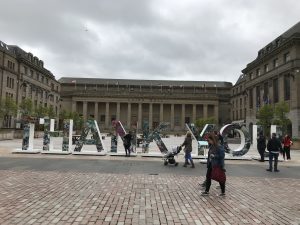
(261, 146)
(274, 147)
(127, 143)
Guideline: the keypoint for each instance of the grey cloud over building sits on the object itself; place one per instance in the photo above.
(185, 40)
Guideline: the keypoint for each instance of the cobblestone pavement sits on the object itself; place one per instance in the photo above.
(54, 197)
(57, 189)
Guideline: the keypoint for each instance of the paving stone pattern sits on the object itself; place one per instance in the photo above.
(52, 197)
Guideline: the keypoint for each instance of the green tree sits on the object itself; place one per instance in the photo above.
(280, 112)
(26, 107)
(265, 116)
(77, 121)
(200, 123)
(50, 112)
(41, 111)
(8, 107)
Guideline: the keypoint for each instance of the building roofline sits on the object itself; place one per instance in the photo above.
(80, 80)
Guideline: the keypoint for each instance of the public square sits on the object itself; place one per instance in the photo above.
(72, 189)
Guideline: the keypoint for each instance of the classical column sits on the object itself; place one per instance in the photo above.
(129, 116)
(183, 116)
(140, 125)
(172, 116)
(194, 113)
(216, 108)
(161, 112)
(118, 111)
(84, 110)
(96, 116)
(205, 111)
(150, 115)
(107, 115)
(74, 103)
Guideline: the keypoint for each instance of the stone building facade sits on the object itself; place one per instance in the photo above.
(154, 101)
(274, 76)
(23, 75)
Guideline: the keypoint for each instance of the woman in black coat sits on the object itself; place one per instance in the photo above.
(261, 146)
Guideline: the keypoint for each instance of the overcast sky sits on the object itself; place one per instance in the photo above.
(146, 39)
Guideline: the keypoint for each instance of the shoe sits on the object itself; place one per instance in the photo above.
(222, 194)
(204, 193)
(276, 170)
(193, 166)
(184, 165)
(269, 170)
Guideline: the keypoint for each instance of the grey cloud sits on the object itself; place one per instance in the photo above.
(157, 39)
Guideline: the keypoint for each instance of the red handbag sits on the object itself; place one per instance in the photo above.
(218, 174)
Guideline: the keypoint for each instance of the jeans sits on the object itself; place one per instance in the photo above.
(286, 150)
(271, 156)
(127, 149)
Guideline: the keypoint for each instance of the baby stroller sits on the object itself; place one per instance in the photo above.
(169, 156)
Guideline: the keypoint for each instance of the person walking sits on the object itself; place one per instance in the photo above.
(274, 147)
(127, 143)
(287, 142)
(261, 146)
(188, 149)
(215, 159)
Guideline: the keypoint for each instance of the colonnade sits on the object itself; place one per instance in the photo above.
(153, 113)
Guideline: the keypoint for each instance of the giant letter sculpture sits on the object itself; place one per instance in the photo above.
(90, 125)
(155, 135)
(245, 139)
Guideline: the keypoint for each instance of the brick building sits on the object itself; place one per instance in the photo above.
(271, 78)
(23, 75)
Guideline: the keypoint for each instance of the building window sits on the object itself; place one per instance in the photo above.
(25, 70)
(266, 93)
(287, 57)
(42, 79)
(251, 98)
(258, 96)
(31, 73)
(275, 63)
(258, 72)
(102, 118)
(251, 76)
(38, 76)
(177, 121)
(275, 90)
(10, 65)
(266, 68)
(287, 88)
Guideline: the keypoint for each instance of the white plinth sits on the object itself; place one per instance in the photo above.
(244, 157)
(54, 152)
(132, 154)
(33, 151)
(152, 154)
(266, 158)
(89, 153)
(203, 161)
